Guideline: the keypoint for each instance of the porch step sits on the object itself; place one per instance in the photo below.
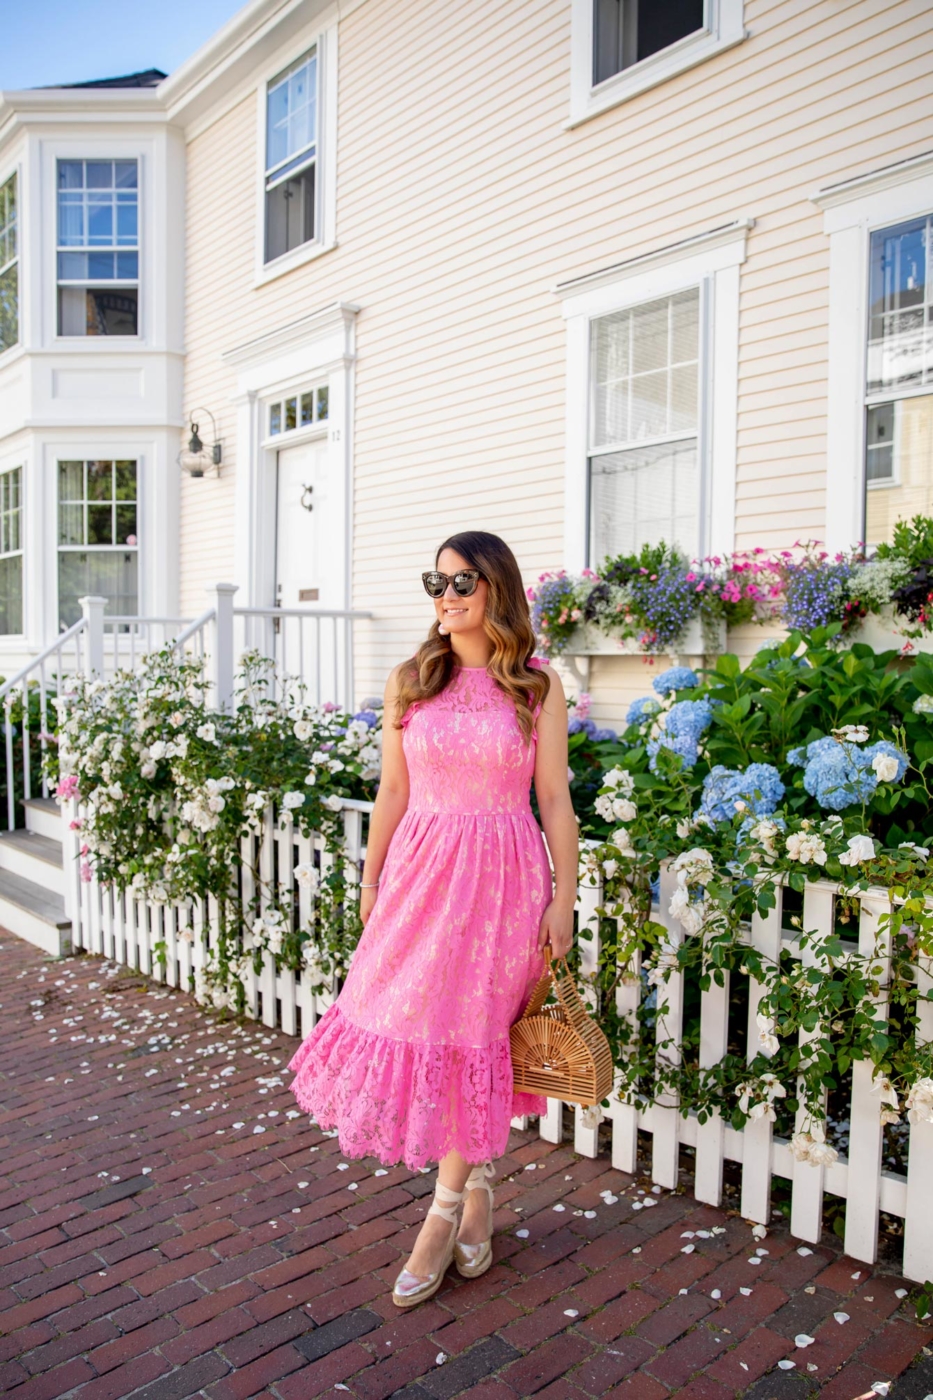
(33, 857)
(35, 914)
(43, 815)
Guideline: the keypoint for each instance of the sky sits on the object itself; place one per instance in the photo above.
(46, 42)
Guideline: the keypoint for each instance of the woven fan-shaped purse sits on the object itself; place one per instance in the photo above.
(559, 1050)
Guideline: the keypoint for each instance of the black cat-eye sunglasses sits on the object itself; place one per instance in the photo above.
(464, 582)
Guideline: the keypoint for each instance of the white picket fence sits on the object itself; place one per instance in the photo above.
(127, 929)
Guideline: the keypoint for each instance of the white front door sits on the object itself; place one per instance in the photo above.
(305, 557)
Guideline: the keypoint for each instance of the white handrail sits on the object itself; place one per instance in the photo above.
(193, 628)
(61, 640)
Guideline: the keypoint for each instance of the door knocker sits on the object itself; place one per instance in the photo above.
(306, 501)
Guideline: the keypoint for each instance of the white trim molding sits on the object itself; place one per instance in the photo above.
(853, 209)
(320, 345)
(711, 262)
(724, 26)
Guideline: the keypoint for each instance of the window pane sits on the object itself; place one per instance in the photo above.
(644, 367)
(126, 222)
(125, 481)
(108, 573)
(126, 525)
(71, 525)
(100, 481)
(323, 395)
(290, 112)
(9, 307)
(99, 174)
(290, 214)
(626, 31)
(100, 525)
(125, 174)
(100, 267)
(643, 496)
(70, 174)
(71, 481)
(307, 409)
(100, 228)
(291, 409)
(275, 419)
(900, 350)
(97, 311)
(11, 595)
(898, 465)
(70, 222)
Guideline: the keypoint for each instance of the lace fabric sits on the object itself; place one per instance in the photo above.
(412, 1060)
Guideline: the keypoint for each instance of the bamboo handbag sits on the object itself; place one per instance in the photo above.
(559, 1050)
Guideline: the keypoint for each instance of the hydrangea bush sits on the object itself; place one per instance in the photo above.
(809, 764)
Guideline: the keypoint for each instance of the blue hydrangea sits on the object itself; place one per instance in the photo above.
(372, 702)
(604, 736)
(760, 787)
(685, 722)
(641, 710)
(675, 678)
(841, 776)
(367, 716)
(590, 727)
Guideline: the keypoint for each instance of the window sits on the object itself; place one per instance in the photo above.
(291, 157)
(644, 375)
(9, 267)
(298, 411)
(11, 552)
(620, 48)
(899, 386)
(627, 31)
(98, 247)
(97, 540)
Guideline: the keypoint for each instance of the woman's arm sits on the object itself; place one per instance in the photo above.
(391, 799)
(557, 817)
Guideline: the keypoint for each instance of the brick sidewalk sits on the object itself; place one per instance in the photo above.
(142, 1256)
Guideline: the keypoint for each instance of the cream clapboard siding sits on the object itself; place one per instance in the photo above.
(462, 200)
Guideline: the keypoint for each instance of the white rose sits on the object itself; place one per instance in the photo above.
(303, 730)
(624, 810)
(306, 876)
(861, 848)
(293, 799)
(207, 732)
(885, 766)
(767, 1040)
(610, 867)
(604, 806)
(621, 779)
(333, 802)
(622, 841)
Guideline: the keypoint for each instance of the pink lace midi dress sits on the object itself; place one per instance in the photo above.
(412, 1059)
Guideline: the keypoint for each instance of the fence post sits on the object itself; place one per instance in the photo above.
(93, 609)
(222, 660)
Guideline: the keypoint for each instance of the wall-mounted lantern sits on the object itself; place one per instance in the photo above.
(197, 459)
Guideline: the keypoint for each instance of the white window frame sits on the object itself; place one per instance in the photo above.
(109, 456)
(724, 26)
(16, 174)
(128, 283)
(853, 210)
(6, 468)
(710, 261)
(324, 41)
(287, 437)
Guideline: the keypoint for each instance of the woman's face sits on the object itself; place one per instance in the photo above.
(454, 613)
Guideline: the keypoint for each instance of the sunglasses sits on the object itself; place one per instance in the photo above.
(464, 582)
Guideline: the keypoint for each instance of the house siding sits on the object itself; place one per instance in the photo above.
(462, 200)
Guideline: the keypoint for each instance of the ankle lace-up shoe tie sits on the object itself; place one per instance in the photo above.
(411, 1289)
(474, 1259)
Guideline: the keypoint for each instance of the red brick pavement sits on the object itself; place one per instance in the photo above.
(170, 1226)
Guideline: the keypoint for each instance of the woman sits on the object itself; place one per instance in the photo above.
(411, 1062)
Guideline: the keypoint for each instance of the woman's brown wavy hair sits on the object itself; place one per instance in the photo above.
(506, 623)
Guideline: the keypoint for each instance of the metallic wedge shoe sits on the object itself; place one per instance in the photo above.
(410, 1289)
(474, 1259)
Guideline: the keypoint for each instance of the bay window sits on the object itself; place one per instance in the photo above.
(98, 247)
(97, 536)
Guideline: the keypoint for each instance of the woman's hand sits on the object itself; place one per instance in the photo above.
(557, 928)
(367, 900)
